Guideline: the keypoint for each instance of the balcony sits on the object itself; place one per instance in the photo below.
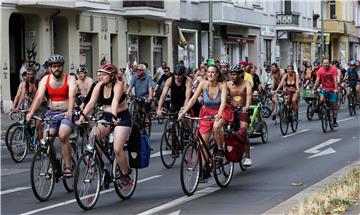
(70, 4)
(152, 4)
(338, 26)
(287, 19)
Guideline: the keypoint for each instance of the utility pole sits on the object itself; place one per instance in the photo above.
(322, 31)
(211, 36)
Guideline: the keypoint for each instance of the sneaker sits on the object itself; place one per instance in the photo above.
(335, 124)
(125, 182)
(204, 175)
(247, 162)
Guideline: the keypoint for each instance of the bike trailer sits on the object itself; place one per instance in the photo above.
(139, 148)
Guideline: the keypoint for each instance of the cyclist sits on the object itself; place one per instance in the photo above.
(142, 82)
(60, 88)
(214, 94)
(19, 91)
(290, 81)
(110, 94)
(240, 92)
(327, 76)
(83, 82)
(224, 68)
(276, 79)
(167, 74)
(353, 77)
(199, 76)
(29, 90)
(248, 66)
(310, 76)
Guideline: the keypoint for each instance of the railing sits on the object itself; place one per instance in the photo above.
(154, 4)
(287, 19)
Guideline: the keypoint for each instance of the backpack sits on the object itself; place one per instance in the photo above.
(139, 148)
(234, 146)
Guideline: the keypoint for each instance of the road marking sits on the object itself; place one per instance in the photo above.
(343, 120)
(180, 200)
(175, 213)
(157, 133)
(315, 150)
(13, 190)
(304, 111)
(5, 172)
(157, 154)
(74, 200)
(302, 131)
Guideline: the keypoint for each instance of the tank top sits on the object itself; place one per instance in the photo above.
(178, 92)
(108, 101)
(58, 94)
(209, 102)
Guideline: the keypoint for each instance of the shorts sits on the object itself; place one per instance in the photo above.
(242, 117)
(123, 116)
(329, 95)
(59, 120)
(205, 126)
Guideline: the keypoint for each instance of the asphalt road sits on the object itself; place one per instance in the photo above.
(281, 168)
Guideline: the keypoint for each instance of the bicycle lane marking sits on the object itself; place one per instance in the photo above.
(346, 119)
(180, 201)
(13, 190)
(74, 200)
(302, 131)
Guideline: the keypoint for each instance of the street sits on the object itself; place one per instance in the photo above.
(281, 168)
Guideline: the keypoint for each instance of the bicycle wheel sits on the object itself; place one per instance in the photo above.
(265, 112)
(87, 181)
(343, 96)
(19, 144)
(167, 151)
(42, 175)
(223, 172)
(8, 133)
(190, 168)
(284, 120)
(264, 133)
(294, 121)
(324, 118)
(122, 192)
(310, 111)
(148, 125)
(351, 106)
(69, 181)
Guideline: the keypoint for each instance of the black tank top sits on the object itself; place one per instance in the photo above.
(178, 92)
(108, 101)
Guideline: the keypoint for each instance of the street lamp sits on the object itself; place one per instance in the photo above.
(211, 36)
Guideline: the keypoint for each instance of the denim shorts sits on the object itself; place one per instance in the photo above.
(59, 120)
(124, 116)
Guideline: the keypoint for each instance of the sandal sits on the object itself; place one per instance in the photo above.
(67, 172)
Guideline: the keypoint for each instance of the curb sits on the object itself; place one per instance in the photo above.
(286, 206)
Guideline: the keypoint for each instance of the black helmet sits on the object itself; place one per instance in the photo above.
(56, 59)
(179, 69)
(82, 69)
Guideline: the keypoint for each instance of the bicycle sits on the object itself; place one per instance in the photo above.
(325, 109)
(257, 126)
(313, 103)
(352, 101)
(138, 112)
(173, 140)
(287, 116)
(46, 168)
(92, 175)
(191, 163)
(21, 115)
(23, 138)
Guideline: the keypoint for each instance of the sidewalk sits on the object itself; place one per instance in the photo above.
(354, 210)
(5, 121)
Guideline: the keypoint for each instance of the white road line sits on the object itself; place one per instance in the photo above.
(74, 200)
(157, 133)
(302, 131)
(13, 190)
(5, 172)
(346, 119)
(180, 201)
(304, 111)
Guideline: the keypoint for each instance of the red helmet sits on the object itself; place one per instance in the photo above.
(109, 69)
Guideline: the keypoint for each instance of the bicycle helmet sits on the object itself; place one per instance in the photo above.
(224, 63)
(56, 59)
(235, 68)
(179, 69)
(82, 69)
(109, 69)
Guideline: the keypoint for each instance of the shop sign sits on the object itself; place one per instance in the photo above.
(241, 40)
(303, 38)
(281, 35)
(354, 40)
(268, 31)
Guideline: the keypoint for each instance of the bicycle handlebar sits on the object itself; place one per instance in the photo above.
(212, 117)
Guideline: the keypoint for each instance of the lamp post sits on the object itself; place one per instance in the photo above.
(322, 31)
(211, 36)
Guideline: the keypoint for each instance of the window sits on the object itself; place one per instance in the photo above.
(287, 6)
(268, 50)
(133, 52)
(157, 51)
(188, 54)
(332, 9)
(86, 52)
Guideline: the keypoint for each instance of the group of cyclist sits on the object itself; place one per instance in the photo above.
(217, 90)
